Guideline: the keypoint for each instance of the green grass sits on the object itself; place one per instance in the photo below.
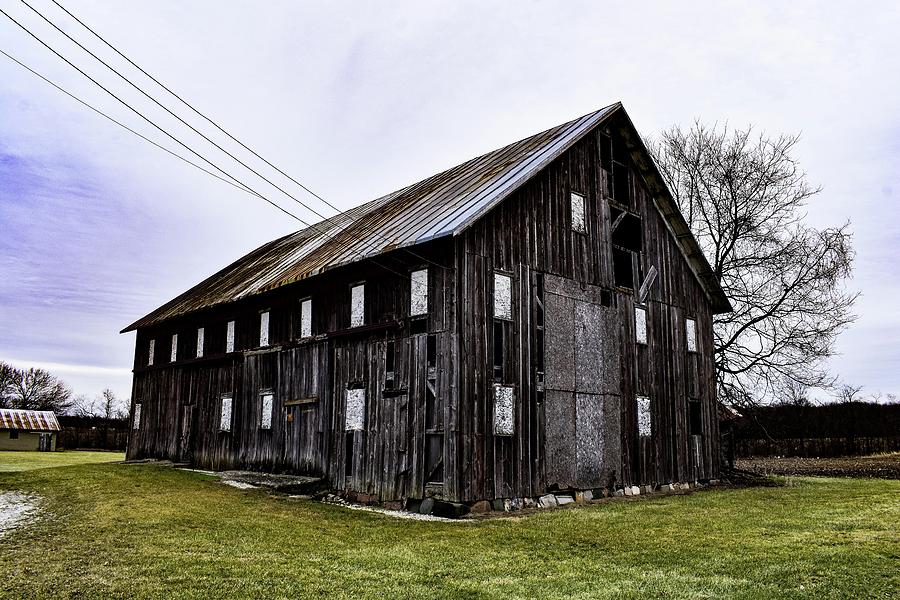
(149, 531)
(26, 461)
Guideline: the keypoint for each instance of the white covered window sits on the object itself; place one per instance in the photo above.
(306, 318)
(640, 324)
(229, 337)
(136, 422)
(504, 401)
(690, 329)
(355, 415)
(579, 223)
(418, 300)
(201, 334)
(502, 296)
(264, 328)
(266, 400)
(225, 414)
(357, 305)
(643, 416)
(151, 351)
(174, 356)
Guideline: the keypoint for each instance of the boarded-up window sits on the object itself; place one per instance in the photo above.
(225, 415)
(504, 400)
(355, 415)
(579, 223)
(136, 422)
(690, 329)
(151, 351)
(502, 296)
(229, 337)
(200, 335)
(357, 305)
(418, 299)
(643, 416)
(266, 400)
(306, 318)
(264, 328)
(174, 356)
(640, 324)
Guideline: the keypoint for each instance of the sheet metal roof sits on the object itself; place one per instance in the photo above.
(441, 205)
(29, 420)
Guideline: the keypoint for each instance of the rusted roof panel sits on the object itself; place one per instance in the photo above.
(441, 205)
(28, 420)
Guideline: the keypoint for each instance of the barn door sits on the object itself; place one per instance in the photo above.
(185, 439)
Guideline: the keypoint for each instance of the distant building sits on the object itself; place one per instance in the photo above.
(538, 318)
(28, 430)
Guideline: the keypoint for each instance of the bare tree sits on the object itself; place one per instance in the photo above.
(36, 389)
(8, 375)
(792, 393)
(743, 197)
(106, 406)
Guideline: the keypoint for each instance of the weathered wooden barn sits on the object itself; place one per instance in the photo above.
(537, 318)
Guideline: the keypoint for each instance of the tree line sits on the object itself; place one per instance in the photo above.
(39, 389)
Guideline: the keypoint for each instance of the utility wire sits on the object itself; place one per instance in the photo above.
(208, 119)
(119, 123)
(238, 183)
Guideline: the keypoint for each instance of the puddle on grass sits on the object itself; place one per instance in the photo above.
(16, 509)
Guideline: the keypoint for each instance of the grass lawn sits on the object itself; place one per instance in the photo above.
(25, 461)
(148, 531)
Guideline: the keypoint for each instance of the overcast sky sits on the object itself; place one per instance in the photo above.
(98, 227)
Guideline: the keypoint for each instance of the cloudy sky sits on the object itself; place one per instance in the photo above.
(98, 227)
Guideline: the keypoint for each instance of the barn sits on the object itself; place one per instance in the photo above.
(536, 319)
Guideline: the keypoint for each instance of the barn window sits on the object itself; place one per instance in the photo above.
(225, 413)
(627, 242)
(13, 434)
(136, 422)
(504, 399)
(306, 318)
(621, 183)
(174, 356)
(502, 296)
(201, 333)
(695, 422)
(229, 337)
(264, 328)
(418, 300)
(690, 330)
(357, 305)
(355, 415)
(640, 324)
(389, 364)
(579, 223)
(266, 401)
(643, 416)
(151, 351)
(499, 350)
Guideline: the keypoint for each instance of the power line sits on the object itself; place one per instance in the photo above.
(238, 183)
(198, 112)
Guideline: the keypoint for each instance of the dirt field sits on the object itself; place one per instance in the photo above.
(881, 466)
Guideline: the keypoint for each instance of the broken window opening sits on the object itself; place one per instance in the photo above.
(418, 300)
(201, 334)
(434, 458)
(623, 267)
(579, 221)
(431, 351)
(644, 420)
(174, 354)
(358, 305)
(305, 318)
(640, 325)
(151, 350)
(348, 454)
(499, 350)
(695, 421)
(504, 401)
(690, 330)
(418, 326)
(225, 413)
(621, 176)
(627, 230)
(389, 360)
(264, 328)
(606, 157)
(229, 337)
(136, 422)
(502, 296)
(267, 400)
